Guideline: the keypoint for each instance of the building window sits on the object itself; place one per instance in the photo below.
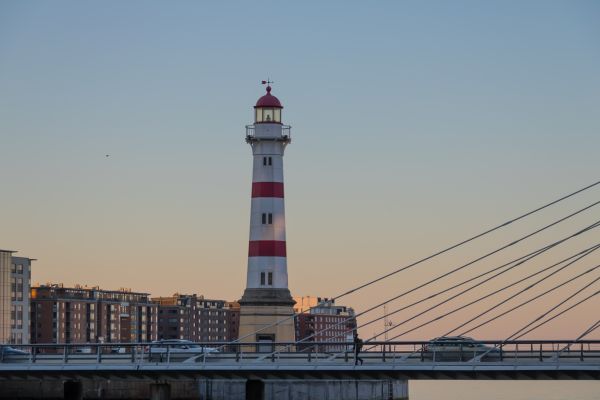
(262, 278)
(270, 279)
(264, 160)
(270, 161)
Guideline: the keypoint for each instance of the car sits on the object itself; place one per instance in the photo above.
(177, 348)
(82, 350)
(8, 353)
(458, 348)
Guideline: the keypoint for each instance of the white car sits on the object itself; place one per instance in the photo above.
(10, 354)
(177, 348)
(458, 348)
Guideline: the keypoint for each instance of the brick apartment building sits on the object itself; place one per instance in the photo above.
(192, 317)
(90, 315)
(327, 321)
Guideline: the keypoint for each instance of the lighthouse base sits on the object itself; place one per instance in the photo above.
(266, 316)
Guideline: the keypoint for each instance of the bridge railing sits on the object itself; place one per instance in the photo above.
(521, 351)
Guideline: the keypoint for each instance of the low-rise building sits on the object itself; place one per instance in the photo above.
(84, 314)
(192, 317)
(325, 322)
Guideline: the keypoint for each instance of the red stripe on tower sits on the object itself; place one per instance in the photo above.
(266, 248)
(267, 189)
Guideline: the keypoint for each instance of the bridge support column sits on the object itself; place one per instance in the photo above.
(160, 391)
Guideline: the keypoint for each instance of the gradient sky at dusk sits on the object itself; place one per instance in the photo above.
(414, 124)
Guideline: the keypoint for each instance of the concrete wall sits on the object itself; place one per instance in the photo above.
(213, 389)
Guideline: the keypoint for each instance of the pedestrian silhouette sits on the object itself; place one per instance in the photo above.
(358, 344)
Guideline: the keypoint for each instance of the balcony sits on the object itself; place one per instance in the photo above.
(286, 135)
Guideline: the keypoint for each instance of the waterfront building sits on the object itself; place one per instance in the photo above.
(267, 299)
(325, 322)
(15, 280)
(20, 282)
(5, 295)
(192, 317)
(84, 314)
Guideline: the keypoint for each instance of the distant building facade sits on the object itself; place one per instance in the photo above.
(20, 282)
(15, 280)
(325, 322)
(5, 295)
(91, 315)
(192, 317)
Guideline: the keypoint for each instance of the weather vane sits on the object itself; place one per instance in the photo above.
(267, 82)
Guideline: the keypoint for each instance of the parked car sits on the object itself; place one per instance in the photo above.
(177, 348)
(458, 348)
(8, 353)
(82, 350)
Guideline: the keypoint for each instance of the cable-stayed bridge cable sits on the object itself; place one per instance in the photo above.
(517, 306)
(522, 260)
(482, 298)
(520, 217)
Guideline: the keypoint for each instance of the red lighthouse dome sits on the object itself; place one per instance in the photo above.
(268, 109)
(268, 100)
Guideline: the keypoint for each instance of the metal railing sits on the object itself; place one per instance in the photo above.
(405, 352)
(286, 134)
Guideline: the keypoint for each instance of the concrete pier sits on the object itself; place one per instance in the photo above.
(206, 389)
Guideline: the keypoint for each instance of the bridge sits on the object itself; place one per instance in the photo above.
(559, 274)
(522, 359)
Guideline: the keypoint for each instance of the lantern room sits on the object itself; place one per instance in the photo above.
(268, 109)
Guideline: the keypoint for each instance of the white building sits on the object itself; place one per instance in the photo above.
(15, 283)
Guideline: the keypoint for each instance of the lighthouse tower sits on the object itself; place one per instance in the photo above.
(267, 299)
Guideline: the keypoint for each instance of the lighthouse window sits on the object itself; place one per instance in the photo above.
(270, 278)
(268, 115)
(267, 218)
(262, 278)
(277, 116)
(264, 160)
(270, 161)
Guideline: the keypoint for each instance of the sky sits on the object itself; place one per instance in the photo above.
(415, 125)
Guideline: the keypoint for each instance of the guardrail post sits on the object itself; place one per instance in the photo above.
(541, 357)
(501, 352)
(383, 354)
(581, 353)
(133, 354)
(98, 354)
(168, 354)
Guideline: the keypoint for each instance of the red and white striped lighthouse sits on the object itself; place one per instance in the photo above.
(267, 297)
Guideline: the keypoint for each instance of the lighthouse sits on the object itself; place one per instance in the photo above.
(266, 306)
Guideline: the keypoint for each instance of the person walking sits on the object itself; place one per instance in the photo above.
(358, 344)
